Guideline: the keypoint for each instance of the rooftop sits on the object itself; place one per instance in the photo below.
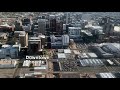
(67, 51)
(92, 55)
(34, 38)
(117, 28)
(4, 46)
(7, 62)
(22, 33)
(61, 55)
(42, 36)
(3, 34)
(86, 32)
(74, 28)
(106, 75)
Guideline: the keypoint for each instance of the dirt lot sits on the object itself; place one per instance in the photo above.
(73, 75)
(6, 73)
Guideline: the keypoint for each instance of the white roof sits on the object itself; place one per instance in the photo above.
(117, 28)
(92, 55)
(107, 75)
(61, 55)
(110, 62)
(34, 38)
(52, 16)
(5, 46)
(91, 62)
(26, 63)
(87, 32)
(93, 27)
(18, 31)
(89, 25)
(96, 27)
(67, 51)
(37, 73)
(15, 46)
(84, 55)
(40, 67)
(117, 45)
(42, 36)
(74, 27)
(5, 25)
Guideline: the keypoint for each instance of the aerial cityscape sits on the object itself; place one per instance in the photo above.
(59, 44)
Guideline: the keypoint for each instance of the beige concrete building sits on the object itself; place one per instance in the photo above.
(23, 39)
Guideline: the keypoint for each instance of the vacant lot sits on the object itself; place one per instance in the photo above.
(6, 73)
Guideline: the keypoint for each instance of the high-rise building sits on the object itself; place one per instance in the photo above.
(64, 27)
(41, 26)
(47, 28)
(27, 28)
(59, 27)
(52, 23)
(67, 18)
(26, 21)
(108, 28)
(65, 40)
(23, 39)
(53, 38)
(35, 44)
(18, 26)
(74, 32)
(42, 37)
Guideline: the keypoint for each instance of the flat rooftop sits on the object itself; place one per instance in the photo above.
(74, 28)
(61, 55)
(3, 34)
(7, 62)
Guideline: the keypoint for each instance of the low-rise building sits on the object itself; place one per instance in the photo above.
(74, 32)
(101, 53)
(9, 51)
(92, 55)
(3, 36)
(8, 63)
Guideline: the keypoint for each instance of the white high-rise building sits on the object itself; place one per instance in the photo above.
(64, 26)
(52, 37)
(65, 40)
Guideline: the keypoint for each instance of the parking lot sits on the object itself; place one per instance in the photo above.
(84, 47)
(69, 66)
